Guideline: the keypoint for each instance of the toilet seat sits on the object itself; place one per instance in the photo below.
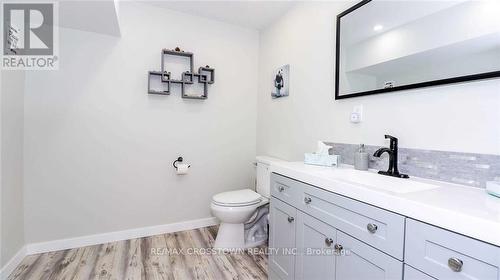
(238, 198)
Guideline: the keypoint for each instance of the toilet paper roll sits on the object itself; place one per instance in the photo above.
(182, 168)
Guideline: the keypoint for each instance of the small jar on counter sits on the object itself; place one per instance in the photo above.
(361, 158)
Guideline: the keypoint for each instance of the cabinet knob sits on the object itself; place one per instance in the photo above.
(372, 228)
(291, 219)
(338, 248)
(281, 188)
(328, 241)
(307, 200)
(455, 264)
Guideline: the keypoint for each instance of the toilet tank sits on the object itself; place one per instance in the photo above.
(263, 182)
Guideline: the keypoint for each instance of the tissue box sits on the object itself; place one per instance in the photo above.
(493, 188)
(322, 160)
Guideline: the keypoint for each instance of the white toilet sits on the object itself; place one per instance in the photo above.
(244, 213)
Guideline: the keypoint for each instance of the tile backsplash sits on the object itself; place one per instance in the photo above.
(461, 168)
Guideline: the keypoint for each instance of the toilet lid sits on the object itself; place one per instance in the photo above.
(241, 197)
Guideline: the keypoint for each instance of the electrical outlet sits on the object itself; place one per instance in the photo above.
(357, 114)
(355, 117)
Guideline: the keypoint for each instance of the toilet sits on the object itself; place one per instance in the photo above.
(243, 214)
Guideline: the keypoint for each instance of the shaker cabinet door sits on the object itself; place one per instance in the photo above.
(361, 261)
(282, 239)
(315, 258)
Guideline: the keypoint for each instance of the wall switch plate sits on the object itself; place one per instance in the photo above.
(357, 114)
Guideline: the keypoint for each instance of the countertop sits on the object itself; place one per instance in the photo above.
(465, 210)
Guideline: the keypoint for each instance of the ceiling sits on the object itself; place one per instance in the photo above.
(251, 14)
(99, 16)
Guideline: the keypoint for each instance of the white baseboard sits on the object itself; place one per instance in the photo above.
(82, 241)
(9, 267)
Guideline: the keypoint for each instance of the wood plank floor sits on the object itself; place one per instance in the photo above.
(180, 255)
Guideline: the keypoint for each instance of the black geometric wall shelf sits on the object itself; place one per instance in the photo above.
(160, 82)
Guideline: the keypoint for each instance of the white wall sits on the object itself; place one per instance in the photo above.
(99, 149)
(11, 171)
(459, 117)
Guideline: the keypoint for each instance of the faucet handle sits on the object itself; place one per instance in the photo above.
(387, 136)
(394, 141)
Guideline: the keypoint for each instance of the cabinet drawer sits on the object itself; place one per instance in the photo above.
(413, 274)
(360, 261)
(379, 228)
(285, 189)
(447, 255)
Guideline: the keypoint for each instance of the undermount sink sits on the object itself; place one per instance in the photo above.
(374, 180)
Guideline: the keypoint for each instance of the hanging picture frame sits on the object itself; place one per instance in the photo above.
(281, 82)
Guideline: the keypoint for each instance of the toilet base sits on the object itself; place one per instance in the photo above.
(242, 236)
(230, 236)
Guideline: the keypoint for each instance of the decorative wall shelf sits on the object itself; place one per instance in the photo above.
(156, 85)
(159, 82)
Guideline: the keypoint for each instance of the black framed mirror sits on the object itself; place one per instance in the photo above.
(386, 46)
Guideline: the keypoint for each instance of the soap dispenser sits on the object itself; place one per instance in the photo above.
(361, 158)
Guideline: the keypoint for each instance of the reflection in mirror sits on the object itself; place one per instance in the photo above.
(390, 45)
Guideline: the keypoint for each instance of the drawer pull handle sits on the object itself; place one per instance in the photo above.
(328, 241)
(307, 200)
(455, 264)
(338, 248)
(281, 188)
(291, 219)
(372, 228)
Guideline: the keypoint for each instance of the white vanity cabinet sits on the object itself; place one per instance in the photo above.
(325, 227)
(340, 238)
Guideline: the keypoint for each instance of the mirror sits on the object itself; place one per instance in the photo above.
(385, 46)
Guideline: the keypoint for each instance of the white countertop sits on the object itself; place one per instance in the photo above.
(466, 210)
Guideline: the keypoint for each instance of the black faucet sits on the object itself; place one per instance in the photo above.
(393, 158)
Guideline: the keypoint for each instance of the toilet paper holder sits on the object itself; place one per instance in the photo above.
(179, 159)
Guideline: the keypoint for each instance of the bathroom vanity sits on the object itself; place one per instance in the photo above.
(338, 223)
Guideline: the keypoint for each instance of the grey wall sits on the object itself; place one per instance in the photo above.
(99, 149)
(11, 176)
